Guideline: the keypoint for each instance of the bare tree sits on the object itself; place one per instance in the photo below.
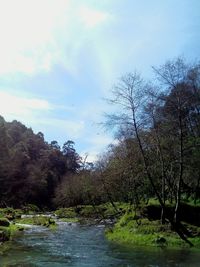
(129, 95)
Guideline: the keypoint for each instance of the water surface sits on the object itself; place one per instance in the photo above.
(75, 245)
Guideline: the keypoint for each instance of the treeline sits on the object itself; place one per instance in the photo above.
(158, 128)
(30, 168)
(157, 125)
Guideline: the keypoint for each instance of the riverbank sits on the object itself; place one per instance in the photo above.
(81, 245)
(145, 232)
(141, 228)
(123, 224)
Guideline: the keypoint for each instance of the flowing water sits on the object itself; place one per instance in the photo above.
(76, 245)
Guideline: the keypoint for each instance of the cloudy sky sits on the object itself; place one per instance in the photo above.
(60, 58)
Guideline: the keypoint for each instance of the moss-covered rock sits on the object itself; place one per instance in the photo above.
(37, 220)
(66, 213)
(10, 213)
(30, 209)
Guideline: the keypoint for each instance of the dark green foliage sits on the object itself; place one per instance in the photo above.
(30, 168)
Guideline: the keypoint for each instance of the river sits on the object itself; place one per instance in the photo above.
(76, 245)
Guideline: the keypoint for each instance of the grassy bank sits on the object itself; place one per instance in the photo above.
(141, 228)
(144, 232)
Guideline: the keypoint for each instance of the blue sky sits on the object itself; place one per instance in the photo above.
(60, 58)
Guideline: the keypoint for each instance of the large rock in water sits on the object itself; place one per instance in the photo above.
(4, 222)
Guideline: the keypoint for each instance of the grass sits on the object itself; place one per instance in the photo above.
(144, 232)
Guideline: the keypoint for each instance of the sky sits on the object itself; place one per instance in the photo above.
(59, 59)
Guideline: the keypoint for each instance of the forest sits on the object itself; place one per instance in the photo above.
(30, 168)
(157, 154)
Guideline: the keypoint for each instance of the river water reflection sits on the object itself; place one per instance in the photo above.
(74, 245)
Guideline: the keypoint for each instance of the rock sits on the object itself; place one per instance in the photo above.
(10, 216)
(4, 222)
(160, 240)
(4, 235)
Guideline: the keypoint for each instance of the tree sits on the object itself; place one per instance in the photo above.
(180, 115)
(72, 158)
(30, 168)
(130, 96)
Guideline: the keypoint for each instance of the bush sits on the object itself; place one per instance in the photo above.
(88, 211)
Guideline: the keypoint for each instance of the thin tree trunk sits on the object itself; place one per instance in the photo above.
(175, 225)
(179, 183)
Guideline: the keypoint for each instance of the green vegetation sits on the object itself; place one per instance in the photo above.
(8, 230)
(37, 220)
(141, 226)
(11, 213)
(145, 232)
(12, 226)
(30, 168)
(102, 211)
(66, 213)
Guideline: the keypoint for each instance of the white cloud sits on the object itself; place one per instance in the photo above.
(91, 17)
(61, 127)
(37, 34)
(27, 33)
(100, 140)
(39, 114)
(13, 106)
(96, 145)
